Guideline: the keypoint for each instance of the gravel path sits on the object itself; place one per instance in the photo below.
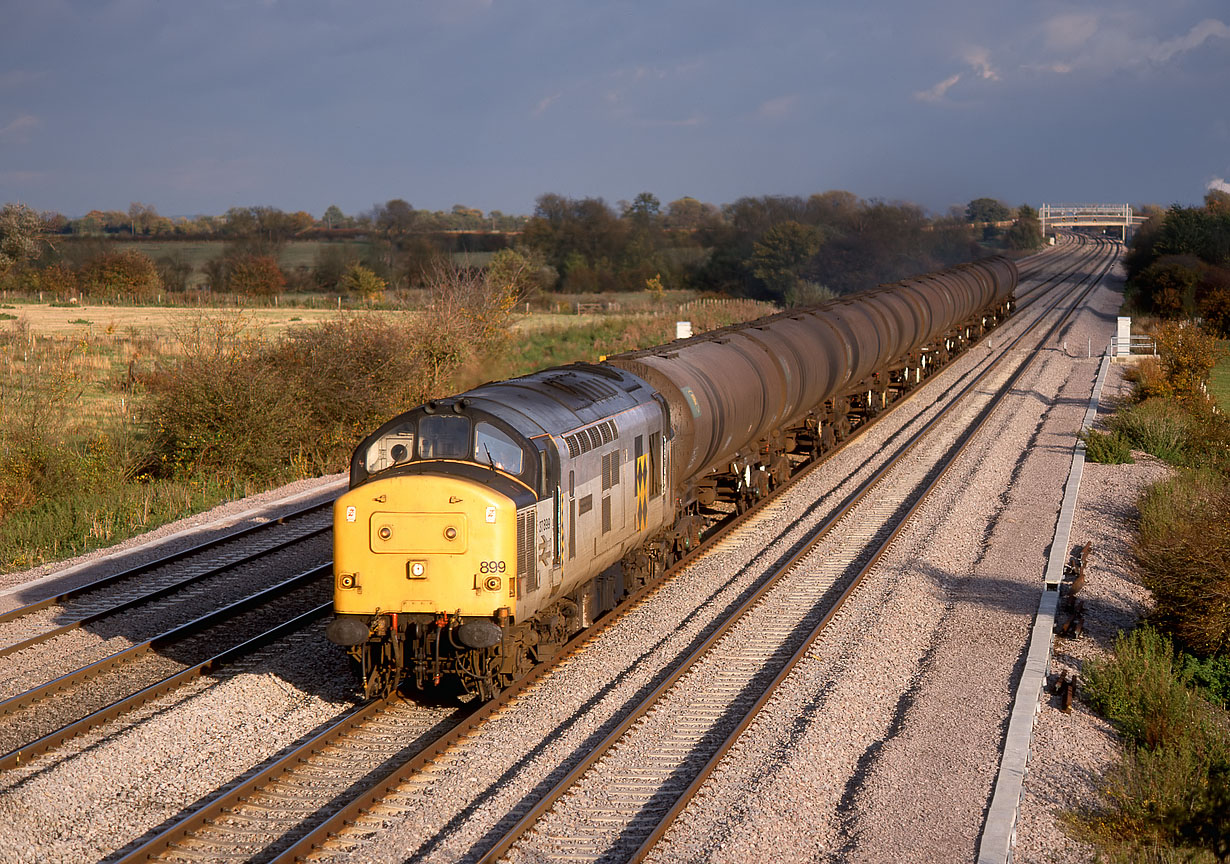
(108, 787)
(1071, 752)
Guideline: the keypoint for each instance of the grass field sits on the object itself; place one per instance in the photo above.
(73, 404)
(293, 255)
(1219, 380)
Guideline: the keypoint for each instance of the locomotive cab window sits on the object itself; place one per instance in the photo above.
(392, 448)
(495, 448)
(442, 436)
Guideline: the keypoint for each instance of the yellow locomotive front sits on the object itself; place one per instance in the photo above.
(425, 553)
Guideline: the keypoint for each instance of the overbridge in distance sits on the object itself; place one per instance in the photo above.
(1089, 216)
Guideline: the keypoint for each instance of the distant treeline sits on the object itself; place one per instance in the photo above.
(786, 249)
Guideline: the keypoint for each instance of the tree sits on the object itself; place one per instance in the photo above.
(119, 273)
(689, 214)
(1217, 201)
(781, 254)
(1213, 300)
(395, 217)
(643, 210)
(1168, 285)
(21, 236)
(987, 210)
(467, 316)
(511, 272)
(334, 217)
(1026, 232)
(256, 274)
(360, 281)
(58, 279)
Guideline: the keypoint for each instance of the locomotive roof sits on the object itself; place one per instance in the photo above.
(560, 399)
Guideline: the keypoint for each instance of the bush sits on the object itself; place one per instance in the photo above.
(1109, 448)
(220, 409)
(1156, 427)
(1167, 800)
(347, 376)
(1142, 690)
(1187, 354)
(1184, 553)
(114, 273)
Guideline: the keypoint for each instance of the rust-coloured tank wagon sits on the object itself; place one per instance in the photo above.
(476, 528)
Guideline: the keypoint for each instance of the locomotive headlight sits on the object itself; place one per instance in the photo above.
(492, 583)
(416, 570)
(346, 580)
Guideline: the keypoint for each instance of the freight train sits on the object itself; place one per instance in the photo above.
(481, 531)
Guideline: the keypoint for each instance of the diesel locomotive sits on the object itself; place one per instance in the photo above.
(483, 530)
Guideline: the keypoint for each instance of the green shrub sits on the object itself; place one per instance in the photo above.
(1109, 448)
(1167, 799)
(347, 376)
(229, 414)
(1156, 426)
(1184, 552)
(1211, 675)
(1142, 690)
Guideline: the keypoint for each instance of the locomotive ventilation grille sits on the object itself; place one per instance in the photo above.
(591, 438)
(527, 575)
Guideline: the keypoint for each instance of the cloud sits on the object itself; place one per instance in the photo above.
(782, 106)
(1070, 31)
(19, 126)
(545, 103)
(936, 93)
(1218, 184)
(1104, 44)
(1194, 38)
(979, 60)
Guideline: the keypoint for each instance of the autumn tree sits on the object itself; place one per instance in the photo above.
(1187, 354)
(258, 275)
(1168, 285)
(128, 273)
(21, 236)
(466, 317)
(361, 282)
(59, 280)
(395, 217)
(690, 214)
(1213, 300)
(335, 218)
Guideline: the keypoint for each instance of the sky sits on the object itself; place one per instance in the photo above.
(196, 107)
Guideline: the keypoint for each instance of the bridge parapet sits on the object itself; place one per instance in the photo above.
(1089, 216)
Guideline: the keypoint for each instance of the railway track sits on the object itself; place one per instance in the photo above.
(297, 837)
(189, 604)
(655, 761)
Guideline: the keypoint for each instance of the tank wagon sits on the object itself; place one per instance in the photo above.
(481, 531)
